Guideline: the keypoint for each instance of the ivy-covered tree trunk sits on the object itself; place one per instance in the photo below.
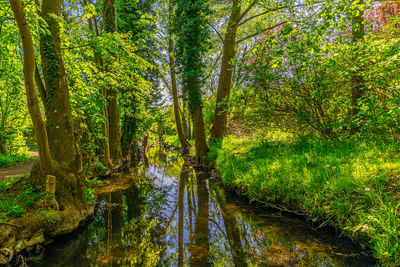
(70, 193)
(58, 107)
(220, 124)
(114, 125)
(182, 138)
(191, 27)
(46, 165)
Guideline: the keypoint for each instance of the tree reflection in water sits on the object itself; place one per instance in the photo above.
(173, 216)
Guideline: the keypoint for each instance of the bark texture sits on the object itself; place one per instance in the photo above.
(46, 165)
(182, 138)
(199, 135)
(58, 107)
(220, 123)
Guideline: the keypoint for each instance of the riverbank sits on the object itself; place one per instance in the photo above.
(172, 215)
(31, 219)
(352, 186)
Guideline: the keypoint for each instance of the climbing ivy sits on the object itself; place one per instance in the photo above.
(190, 24)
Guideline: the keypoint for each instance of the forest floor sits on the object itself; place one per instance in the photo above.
(353, 186)
(16, 170)
(19, 168)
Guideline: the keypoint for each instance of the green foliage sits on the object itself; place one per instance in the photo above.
(14, 204)
(7, 161)
(89, 195)
(302, 75)
(14, 120)
(190, 25)
(173, 140)
(353, 184)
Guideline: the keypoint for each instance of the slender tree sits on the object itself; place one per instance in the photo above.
(191, 27)
(219, 127)
(182, 138)
(237, 19)
(104, 125)
(29, 78)
(114, 128)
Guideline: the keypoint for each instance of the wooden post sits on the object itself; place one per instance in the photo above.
(50, 185)
(51, 190)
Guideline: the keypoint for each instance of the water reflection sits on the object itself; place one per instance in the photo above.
(174, 216)
(200, 243)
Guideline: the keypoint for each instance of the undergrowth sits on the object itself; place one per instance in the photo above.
(7, 161)
(354, 186)
(15, 203)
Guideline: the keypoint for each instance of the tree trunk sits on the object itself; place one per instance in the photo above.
(184, 121)
(46, 165)
(129, 142)
(199, 135)
(357, 80)
(114, 125)
(182, 138)
(219, 128)
(104, 125)
(190, 125)
(58, 107)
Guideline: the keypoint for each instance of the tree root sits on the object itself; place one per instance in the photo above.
(279, 207)
(6, 256)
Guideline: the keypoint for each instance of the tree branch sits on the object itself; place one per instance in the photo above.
(219, 35)
(257, 33)
(247, 10)
(273, 10)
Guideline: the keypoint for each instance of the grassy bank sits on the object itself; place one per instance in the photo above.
(7, 161)
(354, 186)
(17, 196)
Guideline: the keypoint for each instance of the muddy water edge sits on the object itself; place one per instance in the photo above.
(170, 215)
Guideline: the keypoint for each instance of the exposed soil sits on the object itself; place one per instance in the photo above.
(19, 168)
(16, 170)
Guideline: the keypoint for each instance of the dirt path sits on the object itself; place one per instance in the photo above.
(18, 168)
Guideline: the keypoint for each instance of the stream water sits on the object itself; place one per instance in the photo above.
(169, 215)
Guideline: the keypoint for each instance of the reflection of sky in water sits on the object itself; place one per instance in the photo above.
(265, 240)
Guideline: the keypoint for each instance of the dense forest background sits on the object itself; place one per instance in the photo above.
(319, 68)
(265, 90)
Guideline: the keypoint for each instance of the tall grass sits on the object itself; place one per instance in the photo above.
(353, 185)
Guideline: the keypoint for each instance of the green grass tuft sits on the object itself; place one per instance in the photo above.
(14, 204)
(7, 161)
